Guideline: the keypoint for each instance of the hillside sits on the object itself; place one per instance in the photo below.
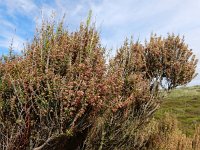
(184, 104)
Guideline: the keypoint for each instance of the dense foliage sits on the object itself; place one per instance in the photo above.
(61, 93)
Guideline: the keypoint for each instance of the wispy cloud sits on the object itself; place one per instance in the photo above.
(11, 39)
(27, 7)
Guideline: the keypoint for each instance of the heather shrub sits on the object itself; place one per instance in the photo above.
(139, 95)
(60, 93)
(169, 60)
(54, 87)
(166, 135)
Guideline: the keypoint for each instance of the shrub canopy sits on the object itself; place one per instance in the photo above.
(61, 85)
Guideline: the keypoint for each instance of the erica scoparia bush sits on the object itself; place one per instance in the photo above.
(169, 59)
(61, 94)
(54, 87)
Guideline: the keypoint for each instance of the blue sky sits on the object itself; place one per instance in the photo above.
(115, 19)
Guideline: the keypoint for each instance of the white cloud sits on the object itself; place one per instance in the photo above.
(11, 38)
(7, 24)
(8, 27)
(27, 7)
(117, 12)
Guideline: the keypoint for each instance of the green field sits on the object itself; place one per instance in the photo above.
(184, 104)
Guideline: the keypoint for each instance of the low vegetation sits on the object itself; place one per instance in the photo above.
(183, 104)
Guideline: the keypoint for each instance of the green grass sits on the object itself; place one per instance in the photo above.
(184, 103)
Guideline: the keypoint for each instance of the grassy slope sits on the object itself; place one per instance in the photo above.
(184, 103)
